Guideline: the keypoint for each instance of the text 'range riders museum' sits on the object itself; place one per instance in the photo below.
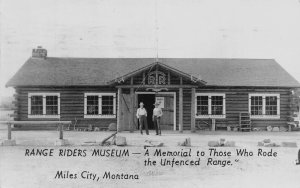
(195, 94)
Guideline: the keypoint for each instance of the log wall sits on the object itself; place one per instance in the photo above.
(237, 101)
(72, 105)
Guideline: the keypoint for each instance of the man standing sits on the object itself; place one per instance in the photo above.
(157, 113)
(141, 114)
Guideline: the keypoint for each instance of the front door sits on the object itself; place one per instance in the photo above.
(167, 106)
(148, 100)
(125, 112)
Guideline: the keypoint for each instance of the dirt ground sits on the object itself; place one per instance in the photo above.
(18, 170)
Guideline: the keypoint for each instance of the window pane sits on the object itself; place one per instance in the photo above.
(92, 105)
(271, 105)
(256, 105)
(37, 105)
(107, 105)
(51, 105)
(202, 105)
(217, 105)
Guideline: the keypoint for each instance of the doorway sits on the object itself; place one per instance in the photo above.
(148, 100)
(168, 99)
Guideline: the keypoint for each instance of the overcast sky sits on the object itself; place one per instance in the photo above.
(127, 28)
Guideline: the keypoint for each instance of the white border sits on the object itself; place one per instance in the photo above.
(209, 106)
(174, 102)
(99, 116)
(44, 115)
(264, 95)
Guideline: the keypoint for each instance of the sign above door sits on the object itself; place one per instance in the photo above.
(157, 78)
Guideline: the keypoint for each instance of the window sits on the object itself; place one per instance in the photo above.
(202, 105)
(100, 105)
(216, 105)
(37, 105)
(271, 105)
(92, 105)
(210, 105)
(107, 105)
(52, 105)
(256, 105)
(43, 105)
(264, 105)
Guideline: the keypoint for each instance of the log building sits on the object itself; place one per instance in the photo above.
(194, 93)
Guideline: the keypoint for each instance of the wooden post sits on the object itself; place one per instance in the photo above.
(132, 110)
(180, 110)
(193, 129)
(144, 78)
(135, 109)
(61, 127)
(213, 124)
(131, 80)
(8, 131)
(156, 75)
(119, 109)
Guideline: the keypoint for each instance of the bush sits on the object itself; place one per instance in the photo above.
(112, 127)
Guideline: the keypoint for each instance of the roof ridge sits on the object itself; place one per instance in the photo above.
(159, 58)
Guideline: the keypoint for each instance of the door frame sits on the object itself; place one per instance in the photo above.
(167, 93)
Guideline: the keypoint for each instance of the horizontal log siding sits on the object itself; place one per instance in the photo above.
(17, 105)
(138, 80)
(177, 109)
(71, 105)
(237, 101)
(187, 94)
(175, 80)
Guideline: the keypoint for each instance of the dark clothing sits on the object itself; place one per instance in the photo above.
(156, 121)
(143, 122)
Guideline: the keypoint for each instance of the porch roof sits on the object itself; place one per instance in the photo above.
(54, 71)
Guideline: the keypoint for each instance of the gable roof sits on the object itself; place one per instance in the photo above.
(54, 71)
(151, 67)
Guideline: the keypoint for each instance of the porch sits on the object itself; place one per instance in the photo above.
(174, 90)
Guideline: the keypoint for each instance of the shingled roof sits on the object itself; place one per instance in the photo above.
(54, 71)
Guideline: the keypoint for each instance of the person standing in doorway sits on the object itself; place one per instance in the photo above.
(157, 113)
(141, 114)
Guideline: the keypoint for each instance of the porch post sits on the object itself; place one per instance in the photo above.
(180, 110)
(193, 121)
(9, 131)
(132, 110)
(119, 109)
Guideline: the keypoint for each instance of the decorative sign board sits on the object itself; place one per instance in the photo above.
(161, 101)
(157, 78)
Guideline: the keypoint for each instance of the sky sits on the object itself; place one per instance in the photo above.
(263, 29)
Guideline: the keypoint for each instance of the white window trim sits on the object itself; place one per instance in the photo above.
(44, 115)
(94, 116)
(264, 95)
(209, 106)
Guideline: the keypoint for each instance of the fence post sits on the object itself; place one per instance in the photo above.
(213, 124)
(61, 136)
(9, 131)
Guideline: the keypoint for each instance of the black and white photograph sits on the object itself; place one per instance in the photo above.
(149, 93)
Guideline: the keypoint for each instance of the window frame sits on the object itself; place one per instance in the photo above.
(44, 115)
(210, 115)
(100, 115)
(264, 115)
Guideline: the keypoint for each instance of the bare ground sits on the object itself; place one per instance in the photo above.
(16, 170)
